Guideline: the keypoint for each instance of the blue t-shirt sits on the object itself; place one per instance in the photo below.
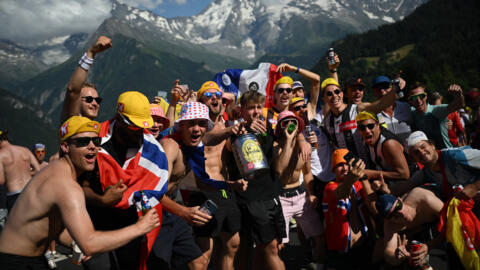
(434, 124)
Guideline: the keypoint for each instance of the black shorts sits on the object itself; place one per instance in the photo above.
(263, 220)
(227, 217)
(174, 246)
(17, 262)
(11, 199)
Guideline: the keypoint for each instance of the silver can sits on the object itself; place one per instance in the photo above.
(249, 156)
(331, 56)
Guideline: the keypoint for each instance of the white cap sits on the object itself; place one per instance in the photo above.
(415, 138)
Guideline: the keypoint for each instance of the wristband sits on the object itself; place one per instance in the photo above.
(298, 69)
(85, 62)
(333, 70)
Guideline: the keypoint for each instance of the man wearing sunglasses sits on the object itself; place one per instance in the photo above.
(297, 199)
(412, 217)
(39, 152)
(355, 90)
(340, 120)
(432, 119)
(81, 97)
(54, 196)
(385, 151)
(17, 166)
(396, 118)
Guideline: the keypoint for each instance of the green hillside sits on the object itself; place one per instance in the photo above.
(437, 45)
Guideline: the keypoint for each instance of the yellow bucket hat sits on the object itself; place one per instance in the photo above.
(77, 124)
(284, 79)
(136, 107)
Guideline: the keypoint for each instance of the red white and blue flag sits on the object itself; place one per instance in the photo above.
(239, 81)
(146, 171)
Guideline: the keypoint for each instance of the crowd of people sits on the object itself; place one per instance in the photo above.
(214, 180)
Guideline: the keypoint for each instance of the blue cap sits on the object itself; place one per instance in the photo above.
(384, 204)
(297, 84)
(380, 79)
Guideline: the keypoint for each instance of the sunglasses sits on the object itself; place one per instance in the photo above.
(281, 90)
(336, 92)
(85, 141)
(298, 108)
(415, 97)
(397, 208)
(90, 99)
(363, 127)
(40, 151)
(287, 122)
(358, 88)
(218, 94)
(129, 123)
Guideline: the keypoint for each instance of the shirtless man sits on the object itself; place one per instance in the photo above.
(403, 223)
(226, 222)
(17, 166)
(347, 231)
(289, 166)
(183, 149)
(81, 97)
(39, 152)
(53, 206)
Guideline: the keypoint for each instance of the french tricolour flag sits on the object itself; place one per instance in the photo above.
(239, 81)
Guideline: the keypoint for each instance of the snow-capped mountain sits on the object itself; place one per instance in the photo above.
(247, 29)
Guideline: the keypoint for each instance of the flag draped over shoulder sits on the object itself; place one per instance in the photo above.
(238, 81)
(147, 171)
(462, 229)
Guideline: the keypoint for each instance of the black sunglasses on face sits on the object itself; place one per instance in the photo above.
(397, 208)
(85, 141)
(298, 108)
(90, 99)
(281, 90)
(336, 92)
(363, 127)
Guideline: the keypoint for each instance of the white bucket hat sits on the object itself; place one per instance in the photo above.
(194, 110)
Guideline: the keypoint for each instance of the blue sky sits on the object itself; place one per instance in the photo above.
(171, 8)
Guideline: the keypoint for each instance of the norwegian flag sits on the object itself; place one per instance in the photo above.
(239, 81)
(147, 171)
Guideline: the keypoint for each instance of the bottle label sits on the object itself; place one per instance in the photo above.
(252, 152)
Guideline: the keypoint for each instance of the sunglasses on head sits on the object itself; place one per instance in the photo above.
(397, 208)
(218, 94)
(336, 92)
(90, 99)
(281, 90)
(84, 141)
(298, 108)
(287, 122)
(363, 127)
(415, 97)
(129, 123)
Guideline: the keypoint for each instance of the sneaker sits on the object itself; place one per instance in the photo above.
(50, 260)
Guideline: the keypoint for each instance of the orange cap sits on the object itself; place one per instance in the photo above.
(338, 157)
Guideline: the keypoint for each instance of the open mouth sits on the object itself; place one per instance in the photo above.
(90, 158)
(195, 137)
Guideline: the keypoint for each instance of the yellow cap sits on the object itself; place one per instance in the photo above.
(338, 157)
(135, 106)
(365, 116)
(284, 79)
(207, 85)
(329, 81)
(77, 124)
(295, 100)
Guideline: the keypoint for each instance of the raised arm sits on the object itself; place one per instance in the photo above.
(355, 172)
(458, 99)
(72, 97)
(393, 153)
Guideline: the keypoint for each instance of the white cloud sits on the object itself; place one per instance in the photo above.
(148, 4)
(181, 2)
(31, 21)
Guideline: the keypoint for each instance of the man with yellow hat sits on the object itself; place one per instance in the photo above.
(385, 151)
(17, 166)
(54, 196)
(340, 120)
(347, 230)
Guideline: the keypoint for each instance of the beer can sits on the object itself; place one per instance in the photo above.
(331, 56)
(77, 254)
(457, 188)
(249, 156)
(414, 246)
